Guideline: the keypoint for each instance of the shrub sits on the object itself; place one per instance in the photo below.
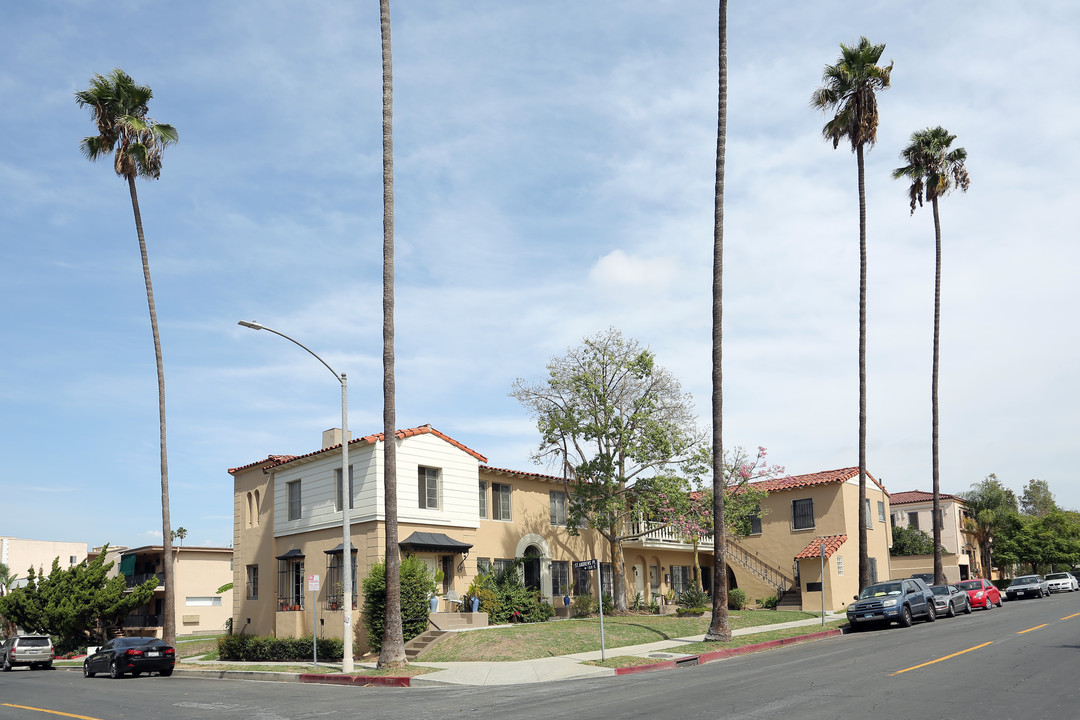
(770, 602)
(638, 603)
(417, 587)
(695, 599)
(736, 598)
(270, 648)
(483, 587)
(515, 602)
(654, 607)
(583, 605)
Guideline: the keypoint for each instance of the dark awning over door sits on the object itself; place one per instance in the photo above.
(294, 554)
(433, 542)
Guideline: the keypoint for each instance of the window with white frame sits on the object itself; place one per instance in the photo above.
(483, 499)
(501, 505)
(211, 601)
(292, 491)
(802, 514)
(869, 517)
(252, 582)
(557, 501)
(881, 510)
(430, 488)
(839, 564)
(337, 489)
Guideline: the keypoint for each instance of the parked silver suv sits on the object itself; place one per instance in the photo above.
(33, 650)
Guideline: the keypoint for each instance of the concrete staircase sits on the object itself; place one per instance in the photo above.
(422, 642)
(439, 625)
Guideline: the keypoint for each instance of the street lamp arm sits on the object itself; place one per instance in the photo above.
(257, 326)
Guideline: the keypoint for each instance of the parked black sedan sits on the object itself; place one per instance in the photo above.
(135, 655)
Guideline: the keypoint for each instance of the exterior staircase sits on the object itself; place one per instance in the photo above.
(772, 574)
(419, 644)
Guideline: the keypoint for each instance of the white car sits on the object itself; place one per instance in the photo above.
(1062, 582)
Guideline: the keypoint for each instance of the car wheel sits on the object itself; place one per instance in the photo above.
(999, 602)
(951, 612)
(114, 671)
(967, 608)
(931, 615)
(86, 670)
(7, 664)
(165, 673)
(905, 617)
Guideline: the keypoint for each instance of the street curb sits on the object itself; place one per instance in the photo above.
(362, 680)
(691, 660)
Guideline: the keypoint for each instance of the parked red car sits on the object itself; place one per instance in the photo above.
(981, 593)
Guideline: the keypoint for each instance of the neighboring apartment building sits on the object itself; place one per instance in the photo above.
(462, 517)
(915, 509)
(20, 555)
(199, 572)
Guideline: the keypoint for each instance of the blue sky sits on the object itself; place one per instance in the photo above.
(554, 177)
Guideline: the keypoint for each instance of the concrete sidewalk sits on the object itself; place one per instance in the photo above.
(563, 667)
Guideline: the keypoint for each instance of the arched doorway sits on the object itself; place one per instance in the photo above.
(532, 567)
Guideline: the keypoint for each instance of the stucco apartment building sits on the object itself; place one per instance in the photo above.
(463, 516)
(20, 555)
(960, 559)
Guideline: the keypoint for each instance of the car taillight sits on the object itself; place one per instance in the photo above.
(170, 652)
(132, 652)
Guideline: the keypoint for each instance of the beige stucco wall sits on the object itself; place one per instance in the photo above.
(199, 573)
(954, 538)
(20, 554)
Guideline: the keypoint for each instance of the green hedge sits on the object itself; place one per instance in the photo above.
(270, 648)
(417, 586)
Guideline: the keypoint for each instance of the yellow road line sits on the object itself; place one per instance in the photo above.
(916, 667)
(1070, 617)
(1034, 628)
(51, 712)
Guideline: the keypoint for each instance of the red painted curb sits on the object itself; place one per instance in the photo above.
(377, 680)
(662, 665)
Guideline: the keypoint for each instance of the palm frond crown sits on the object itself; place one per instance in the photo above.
(849, 90)
(933, 168)
(119, 106)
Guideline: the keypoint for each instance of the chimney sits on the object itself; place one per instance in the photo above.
(332, 437)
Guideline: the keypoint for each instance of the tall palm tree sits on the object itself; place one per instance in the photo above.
(719, 626)
(934, 170)
(848, 90)
(118, 106)
(392, 653)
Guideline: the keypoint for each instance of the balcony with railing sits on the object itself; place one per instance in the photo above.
(142, 621)
(655, 534)
(140, 578)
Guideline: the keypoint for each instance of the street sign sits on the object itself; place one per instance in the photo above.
(585, 564)
(313, 583)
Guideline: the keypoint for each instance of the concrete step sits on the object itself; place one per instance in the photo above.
(419, 644)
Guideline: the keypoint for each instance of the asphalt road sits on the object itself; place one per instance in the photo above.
(1018, 661)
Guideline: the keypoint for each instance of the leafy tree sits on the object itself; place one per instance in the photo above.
(616, 423)
(417, 586)
(119, 107)
(848, 91)
(7, 582)
(934, 170)
(911, 541)
(392, 650)
(991, 504)
(719, 626)
(691, 513)
(1037, 499)
(71, 602)
(1041, 542)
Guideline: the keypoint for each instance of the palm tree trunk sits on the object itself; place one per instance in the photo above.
(939, 572)
(719, 626)
(392, 653)
(864, 559)
(168, 629)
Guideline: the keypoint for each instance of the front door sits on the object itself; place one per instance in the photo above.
(532, 568)
(639, 579)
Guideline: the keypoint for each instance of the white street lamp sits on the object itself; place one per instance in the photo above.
(346, 501)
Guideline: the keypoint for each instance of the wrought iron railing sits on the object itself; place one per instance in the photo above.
(140, 578)
(143, 621)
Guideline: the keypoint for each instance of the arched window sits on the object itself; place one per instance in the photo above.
(258, 509)
(249, 519)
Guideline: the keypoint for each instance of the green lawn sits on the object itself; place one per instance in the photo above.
(564, 637)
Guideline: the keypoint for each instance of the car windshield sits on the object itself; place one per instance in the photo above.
(939, 589)
(873, 591)
(1024, 581)
(1058, 576)
(970, 585)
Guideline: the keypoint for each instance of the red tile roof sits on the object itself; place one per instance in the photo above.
(278, 460)
(914, 496)
(832, 543)
(520, 473)
(819, 478)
